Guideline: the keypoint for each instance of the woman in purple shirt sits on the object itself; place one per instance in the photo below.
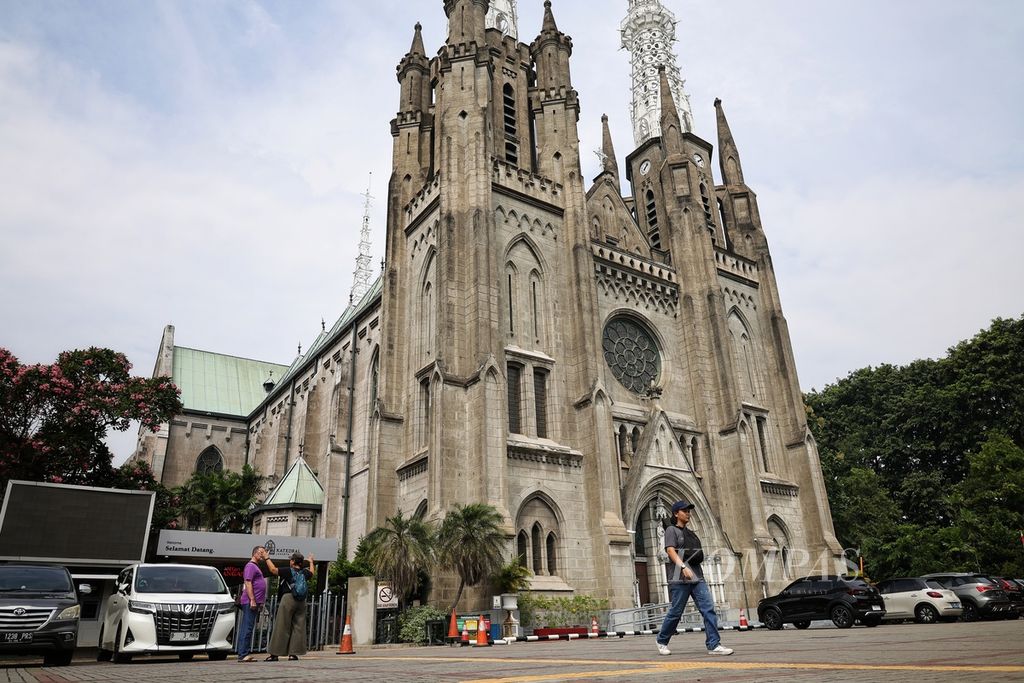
(254, 594)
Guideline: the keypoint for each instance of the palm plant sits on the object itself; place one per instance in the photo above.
(399, 550)
(219, 501)
(470, 542)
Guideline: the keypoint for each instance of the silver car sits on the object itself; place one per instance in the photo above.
(980, 596)
(923, 600)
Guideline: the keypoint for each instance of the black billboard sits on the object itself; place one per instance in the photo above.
(74, 524)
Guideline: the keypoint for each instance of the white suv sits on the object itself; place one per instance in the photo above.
(167, 609)
(925, 601)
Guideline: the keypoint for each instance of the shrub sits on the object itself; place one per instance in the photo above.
(412, 622)
(540, 610)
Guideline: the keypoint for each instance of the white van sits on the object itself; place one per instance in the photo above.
(167, 609)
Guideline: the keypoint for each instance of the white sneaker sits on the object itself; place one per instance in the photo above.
(663, 649)
(721, 650)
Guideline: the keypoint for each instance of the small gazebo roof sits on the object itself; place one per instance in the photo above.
(299, 488)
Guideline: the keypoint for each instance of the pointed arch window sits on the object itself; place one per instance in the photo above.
(537, 546)
(515, 392)
(709, 220)
(374, 378)
(509, 118)
(209, 461)
(652, 220)
(522, 548)
(552, 545)
(540, 396)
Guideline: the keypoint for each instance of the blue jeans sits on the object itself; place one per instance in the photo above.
(679, 593)
(249, 616)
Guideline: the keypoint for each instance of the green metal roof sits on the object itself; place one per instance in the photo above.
(298, 487)
(215, 383)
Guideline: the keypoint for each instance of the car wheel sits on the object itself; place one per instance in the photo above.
(842, 616)
(218, 656)
(58, 658)
(802, 624)
(118, 656)
(970, 612)
(926, 614)
(102, 655)
(772, 618)
(186, 656)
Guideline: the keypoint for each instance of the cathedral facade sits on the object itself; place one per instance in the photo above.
(579, 355)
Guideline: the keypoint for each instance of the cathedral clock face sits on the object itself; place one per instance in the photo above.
(632, 354)
(645, 167)
(699, 160)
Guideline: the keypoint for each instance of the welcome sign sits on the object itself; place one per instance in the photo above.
(239, 546)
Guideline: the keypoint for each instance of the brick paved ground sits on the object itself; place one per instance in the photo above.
(943, 652)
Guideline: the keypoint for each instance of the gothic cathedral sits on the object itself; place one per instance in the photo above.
(579, 356)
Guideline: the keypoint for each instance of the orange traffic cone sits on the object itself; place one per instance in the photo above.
(453, 629)
(345, 648)
(593, 625)
(481, 634)
(744, 624)
(465, 635)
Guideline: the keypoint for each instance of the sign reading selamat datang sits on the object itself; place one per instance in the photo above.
(239, 546)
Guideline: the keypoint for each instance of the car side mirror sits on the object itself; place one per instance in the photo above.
(84, 589)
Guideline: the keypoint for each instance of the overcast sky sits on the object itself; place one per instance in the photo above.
(200, 162)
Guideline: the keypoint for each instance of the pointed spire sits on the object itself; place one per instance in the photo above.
(671, 133)
(608, 159)
(728, 155)
(549, 19)
(648, 33)
(363, 272)
(417, 42)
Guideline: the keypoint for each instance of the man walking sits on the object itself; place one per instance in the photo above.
(685, 578)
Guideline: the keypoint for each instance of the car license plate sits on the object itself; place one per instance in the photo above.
(15, 637)
(876, 608)
(184, 636)
(955, 605)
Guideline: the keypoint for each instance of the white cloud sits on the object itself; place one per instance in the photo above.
(201, 164)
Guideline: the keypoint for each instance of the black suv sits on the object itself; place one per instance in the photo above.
(39, 612)
(844, 600)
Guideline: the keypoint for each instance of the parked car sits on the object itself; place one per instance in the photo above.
(1014, 592)
(843, 600)
(167, 609)
(39, 612)
(923, 600)
(980, 596)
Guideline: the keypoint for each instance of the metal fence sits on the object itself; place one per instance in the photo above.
(324, 622)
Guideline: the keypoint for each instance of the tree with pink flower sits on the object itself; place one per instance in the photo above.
(53, 418)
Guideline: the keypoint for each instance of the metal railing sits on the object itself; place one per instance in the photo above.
(649, 617)
(324, 622)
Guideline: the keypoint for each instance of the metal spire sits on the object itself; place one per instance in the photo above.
(504, 16)
(648, 32)
(363, 273)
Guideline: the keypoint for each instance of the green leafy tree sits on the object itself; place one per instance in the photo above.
(220, 501)
(343, 569)
(54, 418)
(399, 550)
(470, 542)
(921, 462)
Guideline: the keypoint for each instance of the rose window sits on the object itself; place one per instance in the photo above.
(632, 355)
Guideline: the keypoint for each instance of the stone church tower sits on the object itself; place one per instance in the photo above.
(578, 355)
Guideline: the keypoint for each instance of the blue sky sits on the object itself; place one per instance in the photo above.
(199, 162)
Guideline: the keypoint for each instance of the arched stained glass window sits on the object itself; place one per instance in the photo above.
(209, 461)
